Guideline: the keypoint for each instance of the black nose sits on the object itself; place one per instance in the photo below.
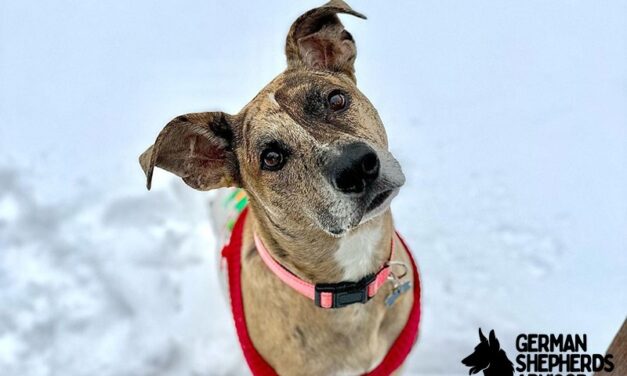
(355, 168)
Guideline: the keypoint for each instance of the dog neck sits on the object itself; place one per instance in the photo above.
(317, 257)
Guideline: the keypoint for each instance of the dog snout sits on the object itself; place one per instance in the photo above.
(355, 169)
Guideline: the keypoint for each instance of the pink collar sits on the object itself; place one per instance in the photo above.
(329, 295)
(232, 253)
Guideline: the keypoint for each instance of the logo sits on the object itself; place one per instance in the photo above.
(538, 355)
(558, 355)
(489, 358)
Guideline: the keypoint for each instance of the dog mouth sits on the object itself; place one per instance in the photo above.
(378, 199)
(378, 204)
(476, 369)
(375, 206)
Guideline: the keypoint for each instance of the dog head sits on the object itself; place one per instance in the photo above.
(484, 353)
(310, 139)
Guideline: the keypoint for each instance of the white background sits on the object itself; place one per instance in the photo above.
(509, 119)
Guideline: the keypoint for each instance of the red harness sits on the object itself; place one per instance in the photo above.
(391, 362)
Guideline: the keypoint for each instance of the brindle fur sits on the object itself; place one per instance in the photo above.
(618, 350)
(302, 220)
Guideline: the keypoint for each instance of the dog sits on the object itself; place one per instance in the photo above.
(489, 357)
(311, 154)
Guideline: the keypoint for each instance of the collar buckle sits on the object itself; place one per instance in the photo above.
(344, 293)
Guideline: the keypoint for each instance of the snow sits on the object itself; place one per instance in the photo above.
(508, 118)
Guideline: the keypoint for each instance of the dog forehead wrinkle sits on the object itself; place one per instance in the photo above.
(275, 126)
(284, 123)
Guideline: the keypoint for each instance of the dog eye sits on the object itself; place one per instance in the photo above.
(337, 100)
(272, 159)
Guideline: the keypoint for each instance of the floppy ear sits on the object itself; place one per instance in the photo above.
(198, 148)
(494, 343)
(317, 40)
(482, 337)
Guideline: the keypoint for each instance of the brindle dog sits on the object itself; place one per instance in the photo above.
(311, 153)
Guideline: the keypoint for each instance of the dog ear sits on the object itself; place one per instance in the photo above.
(198, 148)
(317, 40)
(482, 337)
(494, 342)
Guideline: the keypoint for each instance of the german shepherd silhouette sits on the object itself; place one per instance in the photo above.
(489, 357)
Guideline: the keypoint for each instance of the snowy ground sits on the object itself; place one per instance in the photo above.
(509, 118)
